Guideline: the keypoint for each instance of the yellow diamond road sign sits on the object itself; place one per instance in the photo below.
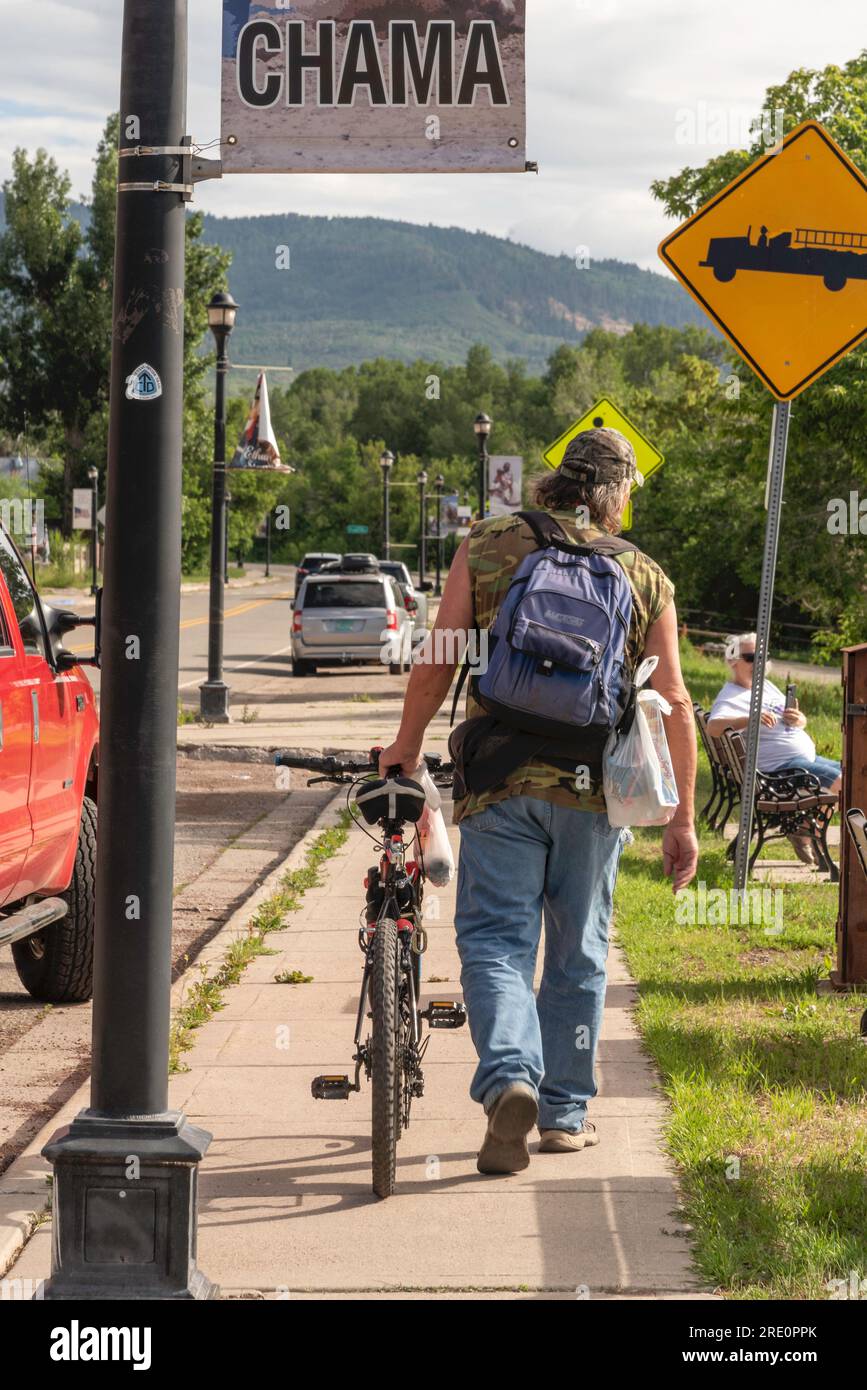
(778, 260)
(605, 415)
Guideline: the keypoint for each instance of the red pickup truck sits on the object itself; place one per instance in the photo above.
(49, 765)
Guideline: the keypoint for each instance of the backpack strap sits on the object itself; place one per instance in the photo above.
(548, 531)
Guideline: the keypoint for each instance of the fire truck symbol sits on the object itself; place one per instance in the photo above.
(834, 257)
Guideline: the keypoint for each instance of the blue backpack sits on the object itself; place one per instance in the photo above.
(557, 648)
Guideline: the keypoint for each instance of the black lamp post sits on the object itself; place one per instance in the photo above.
(214, 693)
(439, 484)
(227, 503)
(93, 475)
(422, 527)
(386, 463)
(482, 427)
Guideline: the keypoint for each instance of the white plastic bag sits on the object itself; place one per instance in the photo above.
(637, 774)
(433, 835)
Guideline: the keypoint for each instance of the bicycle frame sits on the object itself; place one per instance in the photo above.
(401, 890)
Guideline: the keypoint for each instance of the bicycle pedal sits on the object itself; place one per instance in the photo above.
(331, 1088)
(445, 1013)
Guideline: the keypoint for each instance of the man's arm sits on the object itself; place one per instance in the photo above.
(431, 679)
(679, 843)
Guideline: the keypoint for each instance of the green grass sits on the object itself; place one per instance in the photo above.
(767, 1079)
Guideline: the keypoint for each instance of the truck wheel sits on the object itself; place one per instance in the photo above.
(834, 280)
(56, 964)
(724, 273)
(303, 668)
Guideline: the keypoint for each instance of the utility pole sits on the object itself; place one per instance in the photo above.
(422, 528)
(125, 1170)
(439, 484)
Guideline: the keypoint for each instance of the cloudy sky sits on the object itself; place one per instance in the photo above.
(614, 86)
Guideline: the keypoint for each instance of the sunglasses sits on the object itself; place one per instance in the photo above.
(749, 657)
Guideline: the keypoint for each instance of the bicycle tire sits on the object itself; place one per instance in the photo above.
(384, 1056)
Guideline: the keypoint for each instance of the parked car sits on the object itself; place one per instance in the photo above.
(48, 784)
(312, 563)
(413, 596)
(349, 618)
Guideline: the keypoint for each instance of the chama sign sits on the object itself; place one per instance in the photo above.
(373, 86)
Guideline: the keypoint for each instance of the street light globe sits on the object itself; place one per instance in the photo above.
(222, 311)
(439, 481)
(422, 478)
(482, 424)
(386, 459)
(93, 473)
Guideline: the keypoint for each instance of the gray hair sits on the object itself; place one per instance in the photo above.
(604, 501)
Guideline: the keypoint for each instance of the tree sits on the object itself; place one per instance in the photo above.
(820, 573)
(56, 274)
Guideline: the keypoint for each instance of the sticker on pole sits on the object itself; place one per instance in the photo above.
(363, 86)
(143, 384)
(778, 260)
(605, 415)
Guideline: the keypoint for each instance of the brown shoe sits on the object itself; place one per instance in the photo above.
(510, 1119)
(564, 1141)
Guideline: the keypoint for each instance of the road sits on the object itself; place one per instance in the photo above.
(258, 621)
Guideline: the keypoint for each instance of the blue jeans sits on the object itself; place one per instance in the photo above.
(826, 769)
(518, 856)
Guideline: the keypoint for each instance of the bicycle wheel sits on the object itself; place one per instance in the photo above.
(385, 1056)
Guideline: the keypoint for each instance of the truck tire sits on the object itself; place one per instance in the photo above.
(56, 964)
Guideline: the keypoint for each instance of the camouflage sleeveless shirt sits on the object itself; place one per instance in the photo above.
(496, 548)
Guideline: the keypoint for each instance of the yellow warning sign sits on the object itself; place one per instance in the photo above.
(778, 260)
(605, 415)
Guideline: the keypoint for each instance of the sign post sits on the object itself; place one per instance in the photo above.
(776, 260)
(125, 1170)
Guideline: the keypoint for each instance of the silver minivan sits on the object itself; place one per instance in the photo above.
(349, 620)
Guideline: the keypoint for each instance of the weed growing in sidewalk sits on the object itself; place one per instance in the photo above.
(293, 977)
(205, 997)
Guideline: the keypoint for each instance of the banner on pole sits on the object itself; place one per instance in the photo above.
(505, 474)
(364, 86)
(82, 509)
(257, 448)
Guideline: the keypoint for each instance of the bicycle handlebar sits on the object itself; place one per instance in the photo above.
(338, 767)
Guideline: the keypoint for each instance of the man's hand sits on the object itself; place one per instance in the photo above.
(679, 855)
(794, 718)
(769, 719)
(405, 755)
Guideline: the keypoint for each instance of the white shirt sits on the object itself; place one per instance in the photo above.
(777, 746)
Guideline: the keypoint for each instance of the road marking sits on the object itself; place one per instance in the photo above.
(199, 622)
(281, 651)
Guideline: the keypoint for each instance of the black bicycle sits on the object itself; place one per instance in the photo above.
(393, 940)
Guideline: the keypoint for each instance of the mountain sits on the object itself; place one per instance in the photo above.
(361, 287)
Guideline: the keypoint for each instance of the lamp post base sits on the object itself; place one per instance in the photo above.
(125, 1209)
(214, 702)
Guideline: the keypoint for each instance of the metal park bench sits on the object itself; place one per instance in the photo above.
(787, 803)
(725, 791)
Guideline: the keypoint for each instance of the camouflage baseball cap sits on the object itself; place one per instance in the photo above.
(601, 456)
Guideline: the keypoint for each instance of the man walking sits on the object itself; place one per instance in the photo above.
(534, 831)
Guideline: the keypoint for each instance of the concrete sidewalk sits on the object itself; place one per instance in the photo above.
(286, 1205)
